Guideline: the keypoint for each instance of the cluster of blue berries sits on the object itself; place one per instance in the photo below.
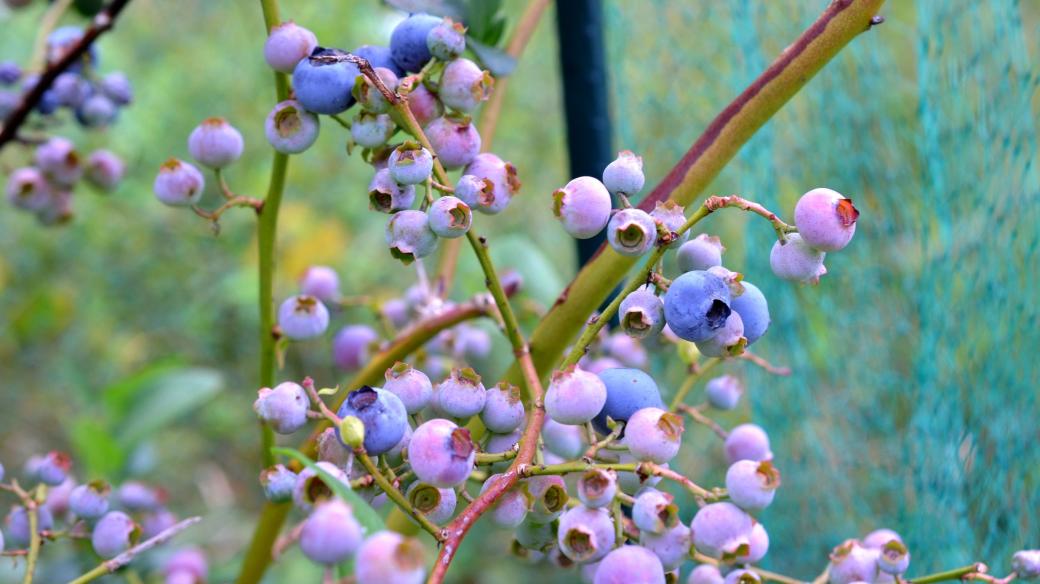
(111, 519)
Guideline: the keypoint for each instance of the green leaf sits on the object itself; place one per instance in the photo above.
(97, 451)
(171, 396)
(495, 60)
(364, 512)
(484, 20)
(120, 395)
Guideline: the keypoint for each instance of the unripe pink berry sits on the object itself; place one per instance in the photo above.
(826, 220)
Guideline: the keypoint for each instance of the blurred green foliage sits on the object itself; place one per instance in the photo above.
(129, 336)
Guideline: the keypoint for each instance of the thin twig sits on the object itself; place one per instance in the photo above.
(109, 566)
(764, 364)
(700, 418)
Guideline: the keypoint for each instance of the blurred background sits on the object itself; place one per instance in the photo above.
(128, 337)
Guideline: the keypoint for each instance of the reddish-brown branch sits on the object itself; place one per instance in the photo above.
(102, 23)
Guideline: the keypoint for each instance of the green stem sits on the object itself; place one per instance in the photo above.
(485, 458)
(954, 574)
(397, 497)
(31, 507)
(691, 380)
(619, 522)
(47, 24)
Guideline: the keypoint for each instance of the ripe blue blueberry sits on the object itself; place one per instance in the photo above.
(563, 440)
(303, 317)
(62, 39)
(290, 129)
(324, 80)
(135, 496)
(387, 557)
(311, 489)
(826, 220)
(655, 511)
(751, 484)
(381, 412)
(104, 170)
(464, 85)
(461, 395)
(721, 530)
(574, 396)
(797, 261)
(114, 534)
(597, 487)
(330, 534)
(628, 564)
(586, 534)
(510, 509)
(215, 143)
(9, 101)
(17, 524)
(178, 184)
(893, 558)
(504, 183)
(851, 562)
(441, 453)
(89, 500)
(10, 72)
(379, 57)
(632, 232)
(753, 310)
(284, 408)
(372, 130)
(447, 40)
(352, 345)
(368, 94)
(321, 282)
(628, 390)
(728, 341)
(386, 196)
(700, 253)
(410, 385)
(705, 574)
(669, 215)
(548, 497)
(287, 45)
(624, 176)
(455, 140)
(28, 189)
(724, 391)
(410, 163)
(97, 111)
(450, 217)
(642, 313)
(117, 87)
(696, 305)
(503, 410)
(672, 546)
(748, 442)
(71, 89)
(59, 161)
(278, 483)
(1026, 563)
(408, 41)
(437, 504)
(583, 207)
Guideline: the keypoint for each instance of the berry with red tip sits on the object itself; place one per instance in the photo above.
(455, 140)
(642, 313)
(410, 163)
(464, 85)
(624, 176)
(628, 390)
(720, 530)
(450, 217)
(53, 468)
(628, 564)
(386, 195)
(408, 41)
(114, 534)
(728, 341)
(672, 546)
(387, 557)
(215, 143)
(503, 410)
(331, 534)
(655, 511)
(284, 408)
(851, 562)
(752, 484)
(510, 509)
(669, 215)
(585, 534)
(748, 442)
(700, 253)
(441, 453)
(409, 236)
(583, 207)
(382, 413)
(548, 497)
(323, 81)
(826, 220)
(437, 504)
(504, 183)
(447, 40)
(597, 487)
(178, 184)
(371, 130)
(574, 396)
(724, 391)
(632, 232)
(287, 45)
(278, 483)
(58, 160)
(290, 129)
(352, 345)
(104, 170)
(461, 395)
(753, 310)
(321, 282)
(89, 500)
(303, 317)
(797, 261)
(410, 385)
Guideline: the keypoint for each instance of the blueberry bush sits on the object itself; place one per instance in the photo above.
(572, 448)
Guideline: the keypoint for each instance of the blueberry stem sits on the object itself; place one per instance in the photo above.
(964, 572)
(340, 120)
(698, 416)
(31, 501)
(781, 228)
(597, 446)
(783, 371)
(109, 566)
(619, 522)
(485, 458)
(395, 495)
(766, 575)
(50, 19)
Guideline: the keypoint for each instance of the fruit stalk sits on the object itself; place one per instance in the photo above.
(109, 566)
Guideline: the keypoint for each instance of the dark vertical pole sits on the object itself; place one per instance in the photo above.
(579, 27)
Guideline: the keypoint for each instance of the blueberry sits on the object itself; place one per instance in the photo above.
(624, 176)
(437, 504)
(464, 85)
(379, 57)
(290, 129)
(742, 576)
(893, 558)
(753, 310)
(565, 441)
(284, 408)
(117, 87)
(583, 207)
(324, 80)
(450, 217)
(728, 341)
(386, 557)
(475, 191)
(751, 484)
(330, 534)
(720, 530)
(672, 546)
(189, 562)
(178, 184)
(535, 535)
(724, 391)
(424, 104)
(447, 40)
(136, 496)
(504, 183)
(61, 40)
(758, 545)
(461, 395)
(352, 345)
(9, 101)
(499, 443)
(585, 534)
(597, 487)
(455, 140)
(628, 390)
(28, 189)
(503, 410)
(697, 305)
(797, 261)
(705, 574)
(287, 45)
(396, 311)
(303, 317)
(16, 525)
(669, 215)
(441, 453)
(97, 111)
(278, 483)
(386, 196)
(58, 160)
(574, 396)
(321, 282)
(215, 143)
(631, 232)
(408, 41)
(71, 89)
(826, 220)
(879, 537)
(381, 412)
(90, 500)
(642, 313)
(156, 522)
(851, 562)
(510, 509)
(372, 130)
(548, 497)
(10, 72)
(655, 511)
(114, 534)
(104, 170)
(628, 564)
(626, 351)
(311, 489)
(748, 442)
(471, 343)
(700, 253)
(410, 385)
(1026, 564)
(53, 468)
(410, 163)
(368, 93)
